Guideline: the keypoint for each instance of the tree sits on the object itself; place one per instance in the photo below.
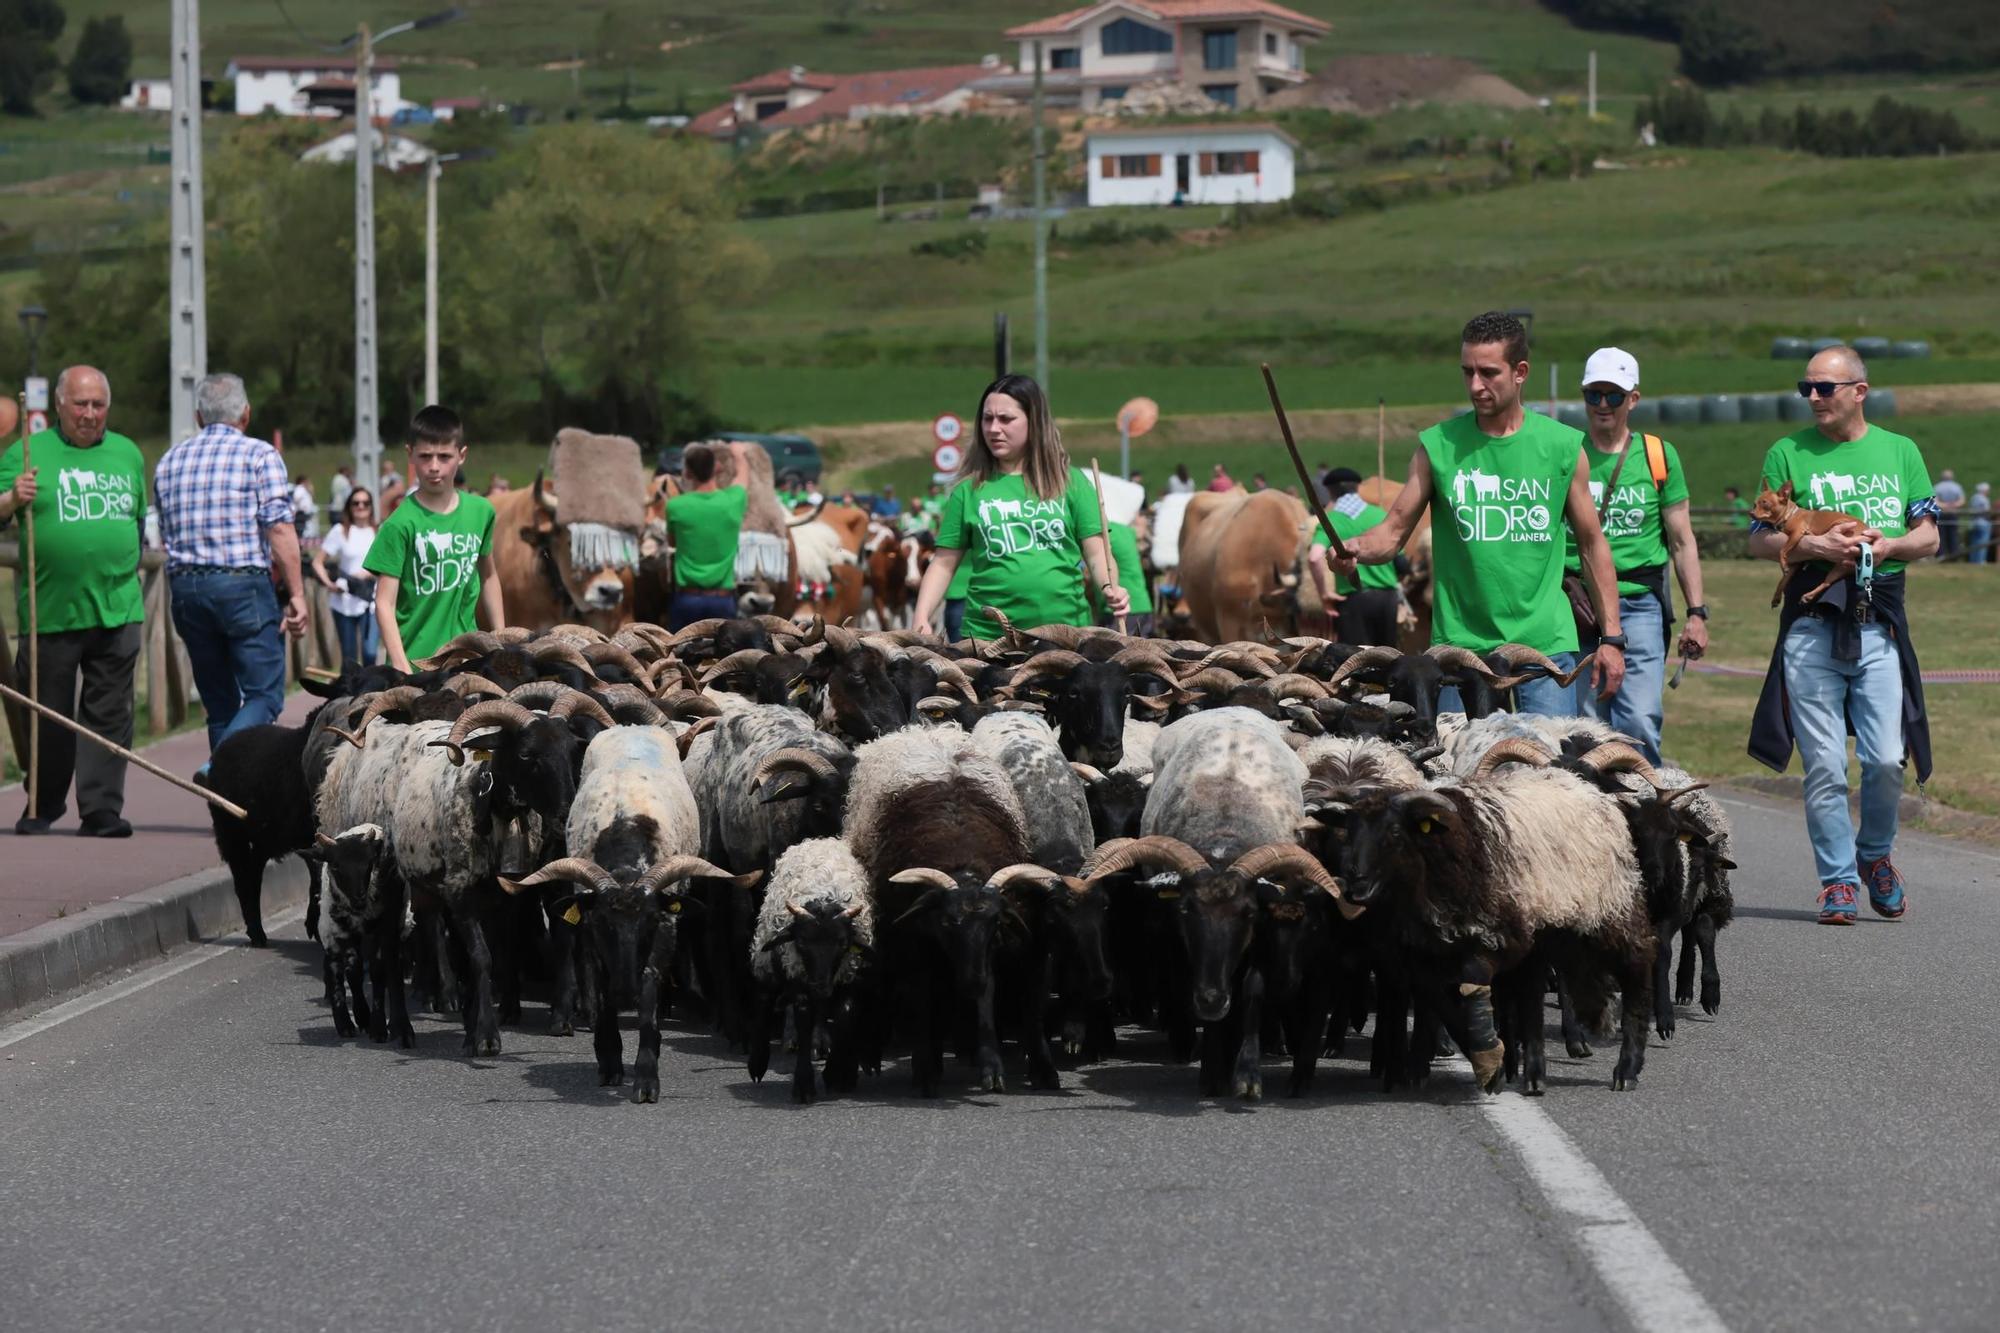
(28, 60)
(1719, 46)
(101, 68)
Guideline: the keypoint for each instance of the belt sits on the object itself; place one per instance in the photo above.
(710, 592)
(219, 569)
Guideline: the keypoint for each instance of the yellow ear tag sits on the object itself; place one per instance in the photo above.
(674, 906)
(480, 756)
(1170, 893)
(1423, 826)
(854, 949)
(574, 916)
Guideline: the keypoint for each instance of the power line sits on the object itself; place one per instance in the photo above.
(307, 38)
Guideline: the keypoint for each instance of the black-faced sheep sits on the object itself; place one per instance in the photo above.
(814, 943)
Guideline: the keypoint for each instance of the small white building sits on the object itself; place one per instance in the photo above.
(311, 86)
(1195, 164)
(148, 95)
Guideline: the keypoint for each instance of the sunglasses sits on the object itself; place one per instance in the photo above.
(1824, 388)
(1604, 397)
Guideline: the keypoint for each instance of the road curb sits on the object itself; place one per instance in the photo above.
(44, 963)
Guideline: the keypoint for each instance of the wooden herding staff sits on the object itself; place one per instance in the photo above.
(221, 803)
(1110, 560)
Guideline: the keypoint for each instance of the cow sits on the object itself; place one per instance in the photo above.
(1240, 557)
(827, 563)
(540, 586)
(894, 566)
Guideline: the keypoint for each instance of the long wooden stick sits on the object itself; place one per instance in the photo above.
(1381, 447)
(1110, 560)
(34, 626)
(52, 715)
(1298, 463)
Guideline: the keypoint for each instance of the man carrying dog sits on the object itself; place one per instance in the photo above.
(1845, 661)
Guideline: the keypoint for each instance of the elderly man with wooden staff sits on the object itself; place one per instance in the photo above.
(83, 490)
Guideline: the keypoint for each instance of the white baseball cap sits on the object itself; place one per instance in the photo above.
(1612, 365)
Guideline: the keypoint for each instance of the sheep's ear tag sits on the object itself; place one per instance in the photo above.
(674, 906)
(479, 756)
(854, 949)
(574, 916)
(1169, 893)
(1423, 826)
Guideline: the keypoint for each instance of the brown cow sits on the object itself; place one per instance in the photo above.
(1240, 561)
(835, 537)
(884, 561)
(531, 556)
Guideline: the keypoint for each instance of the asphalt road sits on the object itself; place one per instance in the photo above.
(201, 1152)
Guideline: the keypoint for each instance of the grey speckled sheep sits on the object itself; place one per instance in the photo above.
(1051, 794)
(1226, 782)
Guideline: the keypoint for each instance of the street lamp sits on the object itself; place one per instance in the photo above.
(33, 319)
(367, 404)
(431, 175)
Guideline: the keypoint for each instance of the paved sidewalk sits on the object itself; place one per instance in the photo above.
(61, 873)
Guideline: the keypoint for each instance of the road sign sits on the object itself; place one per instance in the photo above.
(947, 457)
(947, 428)
(37, 387)
(38, 421)
(1138, 416)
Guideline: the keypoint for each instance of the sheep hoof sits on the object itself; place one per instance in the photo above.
(1666, 1029)
(487, 1046)
(406, 1037)
(610, 1076)
(343, 1026)
(1250, 1088)
(1578, 1050)
(992, 1081)
(1684, 992)
(1711, 996)
(646, 1088)
(258, 940)
(378, 1032)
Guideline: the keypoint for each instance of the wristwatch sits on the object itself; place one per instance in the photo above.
(1612, 641)
(1701, 611)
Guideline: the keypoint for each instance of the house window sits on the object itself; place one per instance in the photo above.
(1298, 56)
(1113, 166)
(1066, 57)
(1229, 164)
(1270, 43)
(1114, 93)
(1129, 37)
(1222, 94)
(1218, 48)
(766, 110)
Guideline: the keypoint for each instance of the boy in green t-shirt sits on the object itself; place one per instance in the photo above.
(1363, 605)
(433, 557)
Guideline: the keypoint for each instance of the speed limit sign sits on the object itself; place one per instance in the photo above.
(947, 428)
(946, 458)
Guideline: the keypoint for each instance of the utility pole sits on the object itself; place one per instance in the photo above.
(431, 175)
(1592, 103)
(1041, 236)
(187, 283)
(367, 404)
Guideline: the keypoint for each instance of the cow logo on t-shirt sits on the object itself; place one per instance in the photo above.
(1012, 526)
(1492, 508)
(85, 495)
(445, 561)
(1873, 497)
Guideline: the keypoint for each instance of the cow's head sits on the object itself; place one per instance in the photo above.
(599, 587)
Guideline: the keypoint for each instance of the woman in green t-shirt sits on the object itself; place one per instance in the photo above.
(1023, 520)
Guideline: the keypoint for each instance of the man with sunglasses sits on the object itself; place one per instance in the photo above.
(1845, 662)
(1641, 496)
(1501, 481)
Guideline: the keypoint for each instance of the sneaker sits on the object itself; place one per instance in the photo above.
(1836, 905)
(1885, 889)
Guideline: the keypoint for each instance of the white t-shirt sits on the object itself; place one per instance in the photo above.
(346, 549)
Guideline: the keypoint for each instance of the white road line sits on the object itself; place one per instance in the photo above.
(152, 976)
(1656, 1295)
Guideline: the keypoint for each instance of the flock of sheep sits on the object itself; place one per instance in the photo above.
(869, 844)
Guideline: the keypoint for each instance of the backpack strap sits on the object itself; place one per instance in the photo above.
(1656, 460)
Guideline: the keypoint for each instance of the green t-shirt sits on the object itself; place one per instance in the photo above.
(1497, 533)
(89, 505)
(435, 558)
(1875, 478)
(1025, 553)
(1350, 526)
(1632, 520)
(705, 528)
(1124, 545)
(1739, 513)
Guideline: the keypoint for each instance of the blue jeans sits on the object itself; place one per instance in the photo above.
(229, 622)
(690, 606)
(1542, 696)
(360, 638)
(1825, 697)
(1636, 708)
(954, 620)
(1982, 540)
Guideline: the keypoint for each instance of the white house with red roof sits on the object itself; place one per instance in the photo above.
(1233, 163)
(1237, 52)
(311, 85)
(791, 98)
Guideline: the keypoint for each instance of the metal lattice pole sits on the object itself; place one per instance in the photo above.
(367, 437)
(188, 345)
(1041, 236)
(431, 175)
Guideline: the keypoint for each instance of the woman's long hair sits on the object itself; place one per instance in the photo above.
(347, 508)
(1045, 466)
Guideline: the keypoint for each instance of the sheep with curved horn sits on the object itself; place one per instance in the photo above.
(813, 948)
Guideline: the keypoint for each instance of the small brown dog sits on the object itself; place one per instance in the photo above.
(1781, 511)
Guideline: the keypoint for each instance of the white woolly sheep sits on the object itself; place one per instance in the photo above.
(815, 936)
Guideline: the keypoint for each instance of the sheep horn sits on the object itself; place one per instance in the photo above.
(1007, 876)
(685, 741)
(573, 869)
(473, 683)
(1518, 655)
(614, 696)
(637, 713)
(699, 629)
(795, 909)
(1086, 772)
(504, 713)
(1292, 685)
(1672, 794)
(393, 700)
(1368, 659)
(937, 879)
(1285, 858)
(612, 654)
(841, 640)
(743, 660)
(581, 633)
(1056, 662)
(560, 650)
(1154, 850)
(1144, 657)
(1513, 750)
(1214, 679)
(568, 703)
(1450, 654)
(1235, 659)
(686, 867)
(814, 632)
(935, 706)
(537, 694)
(794, 758)
(691, 703)
(854, 911)
(511, 635)
(1618, 757)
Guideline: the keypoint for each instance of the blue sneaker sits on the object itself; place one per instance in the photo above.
(1837, 906)
(1885, 889)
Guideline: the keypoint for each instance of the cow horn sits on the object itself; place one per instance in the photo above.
(794, 758)
(1007, 876)
(800, 520)
(579, 870)
(1618, 757)
(1513, 750)
(1369, 660)
(1285, 858)
(545, 498)
(744, 659)
(686, 867)
(685, 741)
(473, 683)
(1450, 654)
(393, 700)
(1154, 850)
(503, 713)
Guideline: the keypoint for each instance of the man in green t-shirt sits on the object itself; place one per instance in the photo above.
(705, 527)
(1739, 508)
(1363, 606)
(90, 612)
(1502, 480)
(1124, 544)
(433, 557)
(1847, 660)
(1641, 496)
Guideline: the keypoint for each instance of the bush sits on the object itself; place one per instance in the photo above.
(1111, 231)
(959, 245)
(1681, 117)
(101, 69)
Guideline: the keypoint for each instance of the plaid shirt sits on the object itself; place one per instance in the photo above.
(217, 492)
